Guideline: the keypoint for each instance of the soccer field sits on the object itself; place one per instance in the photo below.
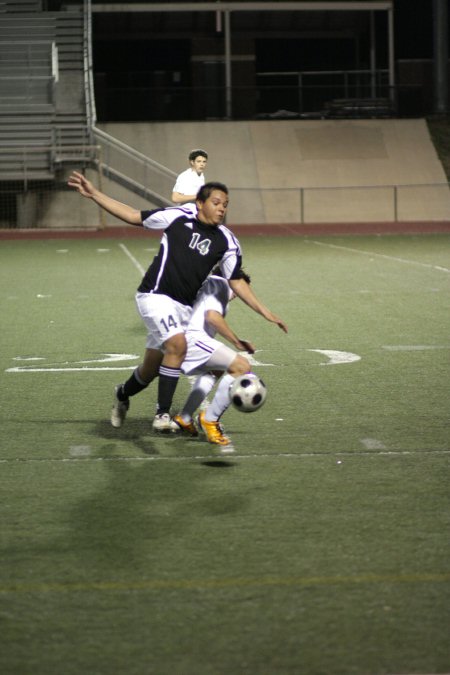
(321, 547)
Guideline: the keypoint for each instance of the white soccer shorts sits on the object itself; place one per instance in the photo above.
(206, 353)
(163, 317)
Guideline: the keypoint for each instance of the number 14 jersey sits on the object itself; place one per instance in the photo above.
(189, 249)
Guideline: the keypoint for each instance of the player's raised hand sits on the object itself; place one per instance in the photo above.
(82, 184)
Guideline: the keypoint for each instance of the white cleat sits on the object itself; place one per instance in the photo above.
(119, 410)
(162, 423)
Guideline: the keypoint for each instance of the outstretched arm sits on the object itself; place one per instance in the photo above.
(241, 288)
(219, 325)
(117, 209)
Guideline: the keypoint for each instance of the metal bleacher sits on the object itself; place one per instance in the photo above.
(47, 112)
(43, 119)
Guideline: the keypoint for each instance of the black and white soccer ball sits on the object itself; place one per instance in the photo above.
(248, 392)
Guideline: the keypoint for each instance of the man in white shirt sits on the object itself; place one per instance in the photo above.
(190, 181)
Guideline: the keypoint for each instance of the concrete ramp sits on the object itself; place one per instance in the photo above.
(308, 171)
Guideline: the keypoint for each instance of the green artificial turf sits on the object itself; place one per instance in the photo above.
(320, 547)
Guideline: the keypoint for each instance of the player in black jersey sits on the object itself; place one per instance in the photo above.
(191, 245)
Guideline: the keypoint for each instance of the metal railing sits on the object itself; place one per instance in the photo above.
(134, 170)
(248, 205)
(338, 204)
(89, 96)
(295, 93)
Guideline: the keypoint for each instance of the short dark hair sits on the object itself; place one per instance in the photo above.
(197, 153)
(207, 188)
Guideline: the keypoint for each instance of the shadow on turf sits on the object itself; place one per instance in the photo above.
(139, 433)
(136, 432)
(218, 463)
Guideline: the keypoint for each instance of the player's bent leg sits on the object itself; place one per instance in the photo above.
(221, 400)
(166, 320)
(137, 382)
(200, 389)
(235, 365)
(149, 367)
(201, 386)
(239, 366)
(174, 350)
(169, 374)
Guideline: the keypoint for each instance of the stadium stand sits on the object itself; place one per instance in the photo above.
(42, 111)
(351, 166)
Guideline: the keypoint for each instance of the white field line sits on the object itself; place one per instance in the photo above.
(382, 255)
(135, 262)
(413, 348)
(335, 358)
(226, 458)
(222, 582)
(84, 369)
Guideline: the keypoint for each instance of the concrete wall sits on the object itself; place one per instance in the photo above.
(310, 171)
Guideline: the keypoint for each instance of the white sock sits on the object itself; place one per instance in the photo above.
(200, 390)
(221, 399)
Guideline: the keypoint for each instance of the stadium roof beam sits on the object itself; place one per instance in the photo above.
(220, 7)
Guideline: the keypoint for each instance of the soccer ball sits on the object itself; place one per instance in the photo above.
(248, 392)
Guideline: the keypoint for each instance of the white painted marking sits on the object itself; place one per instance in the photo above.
(29, 358)
(86, 369)
(255, 455)
(227, 449)
(39, 295)
(112, 357)
(381, 255)
(373, 444)
(253, 361)
(337, 357)
(107, 358)
(80, 450)
(62, 250)
(135, 262)
(103, 250)
(413, 348)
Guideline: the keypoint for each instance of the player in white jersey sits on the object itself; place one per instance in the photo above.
(193, 243)
(189, 182)
(209, 358)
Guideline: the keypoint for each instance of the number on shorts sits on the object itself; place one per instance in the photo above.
(171, 323)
